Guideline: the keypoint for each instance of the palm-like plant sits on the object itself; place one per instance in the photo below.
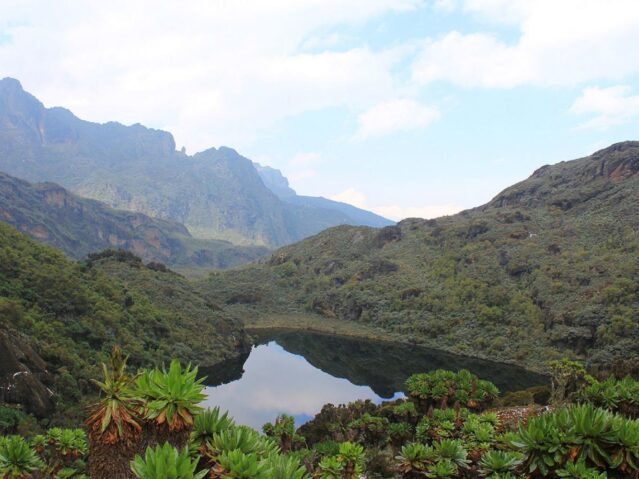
(17, 459)
(542, 443)
(591, 431)
(499, 462)
(172, 399)
(113, 426)
(352, 457)
(625, 441)
(452, 450)
(238, 465)
(442, 470)
(579, 470)
(413, 459)
(331, 467)
(166, 462)
(208, 424)
(283, 429)
(285, 467)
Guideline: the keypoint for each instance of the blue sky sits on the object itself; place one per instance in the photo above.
(405, 107)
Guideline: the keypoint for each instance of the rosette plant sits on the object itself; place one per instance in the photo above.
(17, 459)
(113, 426)
(166, 462)
(171, 400)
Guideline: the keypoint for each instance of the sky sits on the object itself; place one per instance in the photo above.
(404, 107)
(270, 385)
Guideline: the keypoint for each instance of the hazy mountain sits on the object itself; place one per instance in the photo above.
(549, 268)
(216, 193)
(79, 226)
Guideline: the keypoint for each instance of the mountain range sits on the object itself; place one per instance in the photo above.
(549, 268)
(79, 226)
(215, 194)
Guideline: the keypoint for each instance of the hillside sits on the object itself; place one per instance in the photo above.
(59, 320)
(549, 268)
(216, 194)
(79, 226)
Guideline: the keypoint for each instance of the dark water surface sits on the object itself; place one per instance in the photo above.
(297, 373)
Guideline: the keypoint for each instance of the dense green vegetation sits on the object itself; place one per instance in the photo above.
(149, 426)
(78, 226)
(549, 268)
(70, 314)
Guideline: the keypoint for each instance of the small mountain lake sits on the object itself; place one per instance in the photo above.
(296, 373)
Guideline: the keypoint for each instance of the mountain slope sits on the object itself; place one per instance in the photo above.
(549, 268)
(59, 320)
(321, 213)
(79, 226)
(216, 194)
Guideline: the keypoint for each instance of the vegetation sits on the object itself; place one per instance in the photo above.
(548, 269)
(49, 213)
(391, 440)
(66, 317)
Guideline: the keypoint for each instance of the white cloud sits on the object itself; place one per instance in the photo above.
(560, 43)
(395, 115)
(611, 106)
(352, 197)
(394, 212)
(211, 71)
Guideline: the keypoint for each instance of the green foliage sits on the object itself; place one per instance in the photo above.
(548, 269)
(172, 396)
(209, 423)
(499, 462)
(17, 459)
(73, 315)
(283, 430)
(579, 470)
(114, 417)
(166, 462)
(442, 388)
(614, 395)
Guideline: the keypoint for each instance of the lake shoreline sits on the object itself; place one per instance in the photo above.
(350, 329)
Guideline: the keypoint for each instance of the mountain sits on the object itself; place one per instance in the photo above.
(332, 212)
(549, 268)
(59, 319)
(79, 226)
(216, 194)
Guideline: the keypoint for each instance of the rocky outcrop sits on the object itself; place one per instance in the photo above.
(79, 226)
(24, 376)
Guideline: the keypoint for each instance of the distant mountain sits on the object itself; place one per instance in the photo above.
(216, 194)
(333, 212)
(79, 226)
(549, 268)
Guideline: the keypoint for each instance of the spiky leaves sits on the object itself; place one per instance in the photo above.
(113, 427)
(166, 462)
(172, 399)
(114, 417)
(17, 459)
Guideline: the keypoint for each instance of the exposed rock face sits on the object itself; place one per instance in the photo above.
(216, 194)
(79, 226)
(23, 376)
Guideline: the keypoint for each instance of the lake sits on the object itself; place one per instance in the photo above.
(297, 373)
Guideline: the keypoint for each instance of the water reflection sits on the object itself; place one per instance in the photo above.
(297, 373)
(276, 381)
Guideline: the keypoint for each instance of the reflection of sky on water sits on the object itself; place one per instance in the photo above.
(276, 381)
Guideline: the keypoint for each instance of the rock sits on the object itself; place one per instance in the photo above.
(23, 375)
